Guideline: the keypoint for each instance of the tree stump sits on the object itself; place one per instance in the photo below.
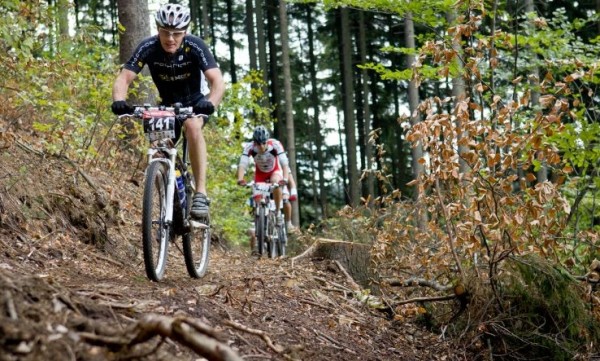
(354, 257)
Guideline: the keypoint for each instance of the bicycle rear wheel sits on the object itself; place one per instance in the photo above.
(155, 231)
(282, 241)
(196, 247)
(273, 236)
(196, 242)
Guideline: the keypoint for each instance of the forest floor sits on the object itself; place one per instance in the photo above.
(73, 286)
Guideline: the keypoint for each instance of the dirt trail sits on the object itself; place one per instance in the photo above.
(72, 285)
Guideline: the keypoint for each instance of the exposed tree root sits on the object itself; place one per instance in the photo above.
(200, 338)
(260, 333)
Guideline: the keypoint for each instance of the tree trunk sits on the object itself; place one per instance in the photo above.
(136, 28)
(196, 21)
(63, 19)
(534, 82)
(205, 21)
(251, 34)
(262, 50)
(208, 27)
(458, 87)
(348, 103)
(413, 103)
(362, 44)
(272, 19)
(231, 42)
(289, 110)
(344, 169)
(315, 105)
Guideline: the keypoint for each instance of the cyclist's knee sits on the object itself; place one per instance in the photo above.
(194, 125)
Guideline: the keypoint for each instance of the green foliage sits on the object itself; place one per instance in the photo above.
(550, 313)
(426, 72)
(423, 11)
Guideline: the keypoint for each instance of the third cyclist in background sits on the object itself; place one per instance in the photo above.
(290, 194)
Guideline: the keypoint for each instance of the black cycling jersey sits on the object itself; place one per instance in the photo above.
(178, 76)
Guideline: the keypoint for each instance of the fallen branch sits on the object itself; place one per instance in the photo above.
(395, 282)
(334, 342)
(309, 251)
(262, 334)
(111, 261)
(449, 228)
(353, 285)
(426, 299)
(337, 287)
(85, 176)
(303, 300)
(28, 148)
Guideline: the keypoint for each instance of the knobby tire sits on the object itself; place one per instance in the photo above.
(196, 246)
(281, 245)
(260, 228)
(196, 242)
(273, 237)
(155, 233)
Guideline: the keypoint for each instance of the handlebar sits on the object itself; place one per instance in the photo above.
(252, 183)
(179, 111)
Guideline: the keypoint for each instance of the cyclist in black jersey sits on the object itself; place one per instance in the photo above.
(181, 65)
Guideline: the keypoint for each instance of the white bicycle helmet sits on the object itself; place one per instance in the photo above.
(260, 135)
(173, 16)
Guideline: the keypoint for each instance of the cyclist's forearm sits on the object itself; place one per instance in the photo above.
(240, 173)
(121, 85)
(285, 174)
(217, 85)
(120, 90)
(216, 94)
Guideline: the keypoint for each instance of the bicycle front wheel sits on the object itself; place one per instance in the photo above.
(196, 247)
(155, 231)
(260, 229)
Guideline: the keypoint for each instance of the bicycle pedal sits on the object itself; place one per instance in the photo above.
(196, 224)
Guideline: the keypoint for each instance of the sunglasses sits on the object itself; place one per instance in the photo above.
(174, 34)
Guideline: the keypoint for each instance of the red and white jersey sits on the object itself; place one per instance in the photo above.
(271, 160)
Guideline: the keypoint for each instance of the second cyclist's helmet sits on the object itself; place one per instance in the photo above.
(173, 16)
(261, 134)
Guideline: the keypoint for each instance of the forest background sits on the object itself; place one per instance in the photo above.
(468, 137)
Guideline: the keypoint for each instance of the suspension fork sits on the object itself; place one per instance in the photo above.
(170, 161)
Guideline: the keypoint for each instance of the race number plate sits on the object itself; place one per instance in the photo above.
(261, 190)
(159, 125)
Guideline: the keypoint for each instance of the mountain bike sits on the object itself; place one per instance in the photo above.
(168, 191)
(270, 236)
